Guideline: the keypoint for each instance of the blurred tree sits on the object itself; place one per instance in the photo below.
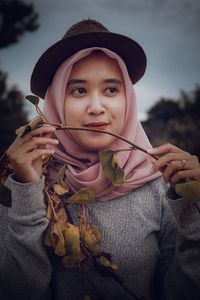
(12, 113)
(165, 109)
(176, 121)
(16, 17)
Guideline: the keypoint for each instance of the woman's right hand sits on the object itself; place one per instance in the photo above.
(25, 154)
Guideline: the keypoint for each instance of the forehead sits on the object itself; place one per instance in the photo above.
(97, 62)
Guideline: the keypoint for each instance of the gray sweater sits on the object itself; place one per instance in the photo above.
(159, 257)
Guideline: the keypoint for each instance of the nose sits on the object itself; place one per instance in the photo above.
(95, 105)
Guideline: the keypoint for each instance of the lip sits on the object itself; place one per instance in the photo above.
(96, 125)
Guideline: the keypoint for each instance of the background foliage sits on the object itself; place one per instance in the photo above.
(176, 121)
(16, 18)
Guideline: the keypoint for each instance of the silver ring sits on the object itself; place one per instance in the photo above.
(183, 162)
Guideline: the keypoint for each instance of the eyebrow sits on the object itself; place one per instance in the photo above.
(113, 80)
(75, 81)
(110, 80)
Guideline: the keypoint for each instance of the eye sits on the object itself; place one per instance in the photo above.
(111, 91)
(78, 91)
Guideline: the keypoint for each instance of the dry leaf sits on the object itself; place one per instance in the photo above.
(72, 239)
(49, 212)
(189, 190)
(33, 99)
(30, 126)
(57, 229)
(104, 261)
(57, 239)
(111, 168)
(91, 237)
(61, 173)
(60, 189)
(83, 196)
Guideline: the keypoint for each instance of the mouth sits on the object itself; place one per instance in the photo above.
(96, 125)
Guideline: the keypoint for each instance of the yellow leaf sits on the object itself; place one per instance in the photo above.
(63, 183)
(83, 196)
(57, 239)
(30, 126)
(61, 217)
(189, 190)
(107, 263)
(111, 168)
(56, 202)
(72, 239)
(49, 212)
(91, 237)
(59, 189)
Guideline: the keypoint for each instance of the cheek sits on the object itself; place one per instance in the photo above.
(120, 111)
(72, 111)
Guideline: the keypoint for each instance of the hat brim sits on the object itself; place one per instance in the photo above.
(128, 49)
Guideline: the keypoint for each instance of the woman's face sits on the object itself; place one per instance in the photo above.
(95, 98)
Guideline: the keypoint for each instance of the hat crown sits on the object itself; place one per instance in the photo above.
(84, 26)
(82, 35)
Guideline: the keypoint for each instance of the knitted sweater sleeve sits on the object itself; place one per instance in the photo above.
(180, 266)
(25, 270)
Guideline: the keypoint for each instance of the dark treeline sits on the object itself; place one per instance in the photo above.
(16, 18)
(176, 121)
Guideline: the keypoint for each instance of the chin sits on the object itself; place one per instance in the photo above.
(98, 146)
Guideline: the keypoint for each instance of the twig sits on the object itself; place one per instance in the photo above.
(63, 127)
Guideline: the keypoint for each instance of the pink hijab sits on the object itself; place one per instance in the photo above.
(83, 166)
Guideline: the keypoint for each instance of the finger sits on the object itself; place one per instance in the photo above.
(186, 174)
(30, 144)
(28, 158)
(36, 153)
(20, 139)
(168, 158)
(44, 129)
(170, 169)
(174, 166)
(164, 149)
(195, 160)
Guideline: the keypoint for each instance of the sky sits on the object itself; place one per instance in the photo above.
(168, 31)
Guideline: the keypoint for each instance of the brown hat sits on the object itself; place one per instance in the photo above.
(82, 35)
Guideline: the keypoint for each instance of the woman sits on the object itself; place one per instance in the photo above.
(86, 80)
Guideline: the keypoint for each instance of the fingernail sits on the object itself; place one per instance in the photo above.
(150, 150)
(56, 141)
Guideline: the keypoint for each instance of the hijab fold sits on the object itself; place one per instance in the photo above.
(136, 164)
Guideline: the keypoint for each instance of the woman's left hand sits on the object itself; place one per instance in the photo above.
(175, 163)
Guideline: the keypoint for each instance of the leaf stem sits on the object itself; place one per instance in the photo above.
(64, 127)
(51, 204)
